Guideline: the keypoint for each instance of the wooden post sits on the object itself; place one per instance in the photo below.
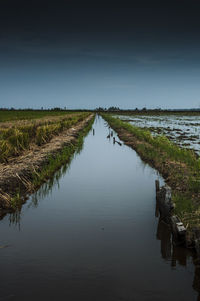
(113, 140)
(178, 230)
(157, 185)
(93, 132)
(165, 205)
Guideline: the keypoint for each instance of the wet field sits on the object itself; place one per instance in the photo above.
(92, 233)
(183, 130)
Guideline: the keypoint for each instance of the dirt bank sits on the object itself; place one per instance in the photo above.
(17, 174)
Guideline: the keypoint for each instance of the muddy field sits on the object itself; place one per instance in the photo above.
(183, 130)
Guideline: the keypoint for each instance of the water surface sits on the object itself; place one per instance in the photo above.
(93, 235)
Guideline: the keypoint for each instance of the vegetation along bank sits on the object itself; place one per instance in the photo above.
(179, 167)
(34, 151)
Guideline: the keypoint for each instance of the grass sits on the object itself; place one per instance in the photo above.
(159, 143)
(180, 167)
(54, 162)
(13, 115)
(16, 138)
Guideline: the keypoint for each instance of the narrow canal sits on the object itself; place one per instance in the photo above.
(92, 234)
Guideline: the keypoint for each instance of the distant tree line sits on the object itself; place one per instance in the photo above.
(101, 109)
(144, 109)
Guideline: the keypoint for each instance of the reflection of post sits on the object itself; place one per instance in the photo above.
(196, 281)
(93, 132)
(157, 205)
(179, 255)
(157, 185)
(157, 209)
(113, 140)
(164, 235)
(111, 133)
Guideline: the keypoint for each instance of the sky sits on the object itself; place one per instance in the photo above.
(86, 54)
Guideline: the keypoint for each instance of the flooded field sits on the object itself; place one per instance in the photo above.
(92, 233)
(183, 130)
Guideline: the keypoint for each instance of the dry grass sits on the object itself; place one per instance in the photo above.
(16, 137)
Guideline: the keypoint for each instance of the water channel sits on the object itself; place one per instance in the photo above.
(92, 234)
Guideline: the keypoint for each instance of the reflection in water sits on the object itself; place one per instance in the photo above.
(94, 237)
(164, 235)
(45, 190)
(176, 254)
(15, 218)
(196, 282)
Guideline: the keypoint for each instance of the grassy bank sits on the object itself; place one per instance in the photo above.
(179, 167)
(52, 164)
(16, 138)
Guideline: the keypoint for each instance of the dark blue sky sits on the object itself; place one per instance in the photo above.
(86, 54)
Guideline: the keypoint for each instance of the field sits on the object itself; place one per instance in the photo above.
(8, 115)
(184, 130)
(19, 135)
(31, 150)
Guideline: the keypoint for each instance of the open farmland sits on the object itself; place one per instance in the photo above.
(31, 150)
(9, 115)
(17, 136)
(184, 130)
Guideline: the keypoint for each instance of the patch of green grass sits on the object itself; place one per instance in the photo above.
(54, 162)
(182, 203)
(15, 201)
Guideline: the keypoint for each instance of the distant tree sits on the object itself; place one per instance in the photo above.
(113, 109)
(100, 109)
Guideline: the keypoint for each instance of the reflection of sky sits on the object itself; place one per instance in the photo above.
(88, 56)
(81, 239)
